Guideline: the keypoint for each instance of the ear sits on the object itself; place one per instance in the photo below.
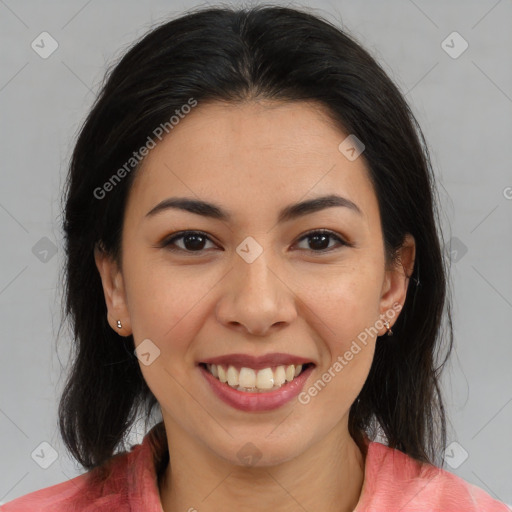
(396, 280)
(114, 291)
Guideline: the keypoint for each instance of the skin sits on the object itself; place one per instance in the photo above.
(254, 159)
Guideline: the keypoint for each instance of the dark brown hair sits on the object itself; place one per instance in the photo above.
(238, 55)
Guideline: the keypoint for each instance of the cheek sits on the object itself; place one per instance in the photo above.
(167, 307)
(345, 303)
(342, 309)
(164, 303)
(342, 315)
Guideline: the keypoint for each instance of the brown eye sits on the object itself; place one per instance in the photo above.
(191, 241)
(318, 241)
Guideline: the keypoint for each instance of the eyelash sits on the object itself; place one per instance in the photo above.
(167, 243)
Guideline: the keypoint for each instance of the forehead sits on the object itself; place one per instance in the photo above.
(250, 157)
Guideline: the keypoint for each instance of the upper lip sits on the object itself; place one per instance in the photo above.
(257, 363)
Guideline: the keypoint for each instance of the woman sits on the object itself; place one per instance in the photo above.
(253, 249)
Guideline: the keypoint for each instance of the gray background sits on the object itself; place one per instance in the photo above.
(464, 105)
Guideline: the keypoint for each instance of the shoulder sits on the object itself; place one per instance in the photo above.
(128, 478)
(396, 481)
(56, 497)
(76, 494)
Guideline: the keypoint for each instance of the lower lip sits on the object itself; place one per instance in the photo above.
(259, 401)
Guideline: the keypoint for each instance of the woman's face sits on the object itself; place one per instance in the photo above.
(253, 283)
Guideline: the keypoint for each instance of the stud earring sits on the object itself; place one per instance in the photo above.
(119, 325)
(389, 332)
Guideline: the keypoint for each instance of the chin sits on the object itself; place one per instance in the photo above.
(259, 451)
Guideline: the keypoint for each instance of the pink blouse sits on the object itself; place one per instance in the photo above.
(393, 482)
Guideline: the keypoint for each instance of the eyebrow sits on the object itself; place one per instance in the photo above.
(288, 213)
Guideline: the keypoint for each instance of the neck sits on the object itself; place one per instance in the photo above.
(327, 477)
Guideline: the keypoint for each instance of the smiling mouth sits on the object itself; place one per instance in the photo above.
(250, 380)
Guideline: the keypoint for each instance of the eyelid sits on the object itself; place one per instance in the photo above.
(167, 242)
(322, 231)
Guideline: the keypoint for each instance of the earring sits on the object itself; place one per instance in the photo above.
(119, 325)
(388, 329)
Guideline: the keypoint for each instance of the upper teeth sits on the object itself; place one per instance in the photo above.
(247, 378)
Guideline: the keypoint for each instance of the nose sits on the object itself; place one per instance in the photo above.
(256, 299)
